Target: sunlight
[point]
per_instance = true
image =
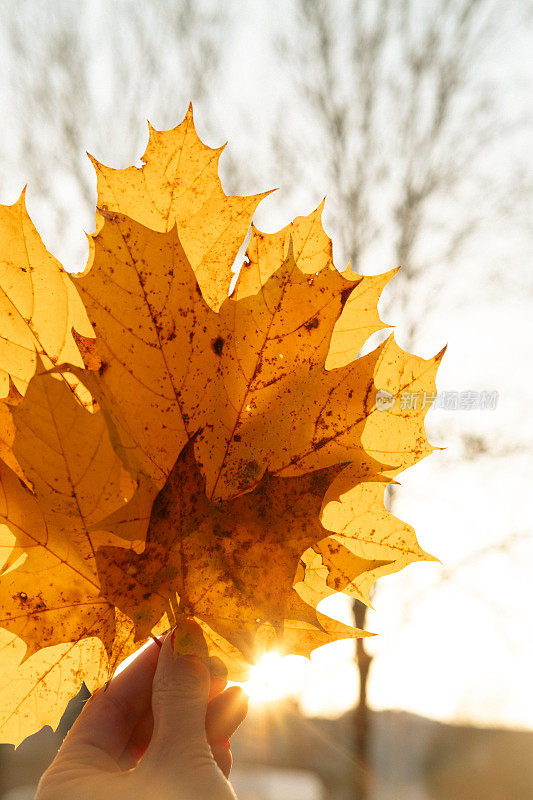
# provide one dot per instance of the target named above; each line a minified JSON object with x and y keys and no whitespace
{"x":127,"y":661}
{"x":275,"y":677}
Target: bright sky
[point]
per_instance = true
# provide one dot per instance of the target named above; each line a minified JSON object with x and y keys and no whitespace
{"x":450,"y":649}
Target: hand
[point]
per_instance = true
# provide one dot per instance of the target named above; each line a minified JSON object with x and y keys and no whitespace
{"x":151,"y":733}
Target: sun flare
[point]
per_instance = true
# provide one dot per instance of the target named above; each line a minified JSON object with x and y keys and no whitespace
{"x":275,"y":677}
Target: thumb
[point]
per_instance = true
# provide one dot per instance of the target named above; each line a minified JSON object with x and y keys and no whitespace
{"x":179,"y":760}
{"x":180,"y":692}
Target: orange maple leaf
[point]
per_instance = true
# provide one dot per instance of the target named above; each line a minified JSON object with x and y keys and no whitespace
{"x":193,"y":454}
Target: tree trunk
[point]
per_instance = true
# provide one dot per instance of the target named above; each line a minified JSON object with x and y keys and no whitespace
{"x":361,"y":730}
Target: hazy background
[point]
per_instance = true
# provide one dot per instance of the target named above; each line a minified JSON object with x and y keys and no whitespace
{"x":414,"y":119}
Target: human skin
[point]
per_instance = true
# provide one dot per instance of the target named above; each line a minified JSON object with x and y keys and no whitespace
{"x":160,"y":729}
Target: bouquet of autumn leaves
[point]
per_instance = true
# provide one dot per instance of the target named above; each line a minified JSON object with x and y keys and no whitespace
{"x":170,"y":449}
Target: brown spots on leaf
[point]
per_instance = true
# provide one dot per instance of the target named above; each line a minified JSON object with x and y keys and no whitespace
{"x":218,"y":345}
{"x":88,"y":350}
{"x":345,"y":294}
{"x":104,"y":211}
{"x":251,"y":468}
{"x":169,"y":335}
{"x":312,"y":324}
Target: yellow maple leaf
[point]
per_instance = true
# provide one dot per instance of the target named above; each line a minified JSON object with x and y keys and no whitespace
{"x":250,"y":385}
{"x":230,"y":564}
{"x":232,"y":460}
{"x":35,"y":693}
{"x":178,"y":185}
{"x":54,"y":595}
{"x":169,"y":365}
{"x":312,"y":251}
{"x":36,"y":688}
{"x":51,"y":604}
{"x":39,"y":306}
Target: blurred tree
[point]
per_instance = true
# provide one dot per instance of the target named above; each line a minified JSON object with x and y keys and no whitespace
{"x":83,"y":76}
{"x":407,"y":123}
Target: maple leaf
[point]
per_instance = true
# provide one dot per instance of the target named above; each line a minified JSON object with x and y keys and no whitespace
{"x":7,"y":431}
{"x":35,"y":691}
{"x":178,"y":185}
{"x":312,"y":251}
{"x":194,"y":454}
{"x":169,"y":365}
{"x":153,"y":343}
{"x":49,"y":587}
{"x":39,"y":305}
{"x":250,"y":384}
{"x":363,"y":531}
{"x":230,"y":564}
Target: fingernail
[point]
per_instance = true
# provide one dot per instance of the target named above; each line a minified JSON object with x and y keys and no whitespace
{"x":137,"y":752}
{"x":217,"y":668}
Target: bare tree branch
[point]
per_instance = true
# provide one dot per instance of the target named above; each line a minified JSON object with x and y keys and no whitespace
{"x":406,"y":120}
{"x":76,"y":80}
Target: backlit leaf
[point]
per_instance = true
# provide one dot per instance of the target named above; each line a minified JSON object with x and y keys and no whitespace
{"x":169,"y":452}
{"x":39,"y":305}
{"x":178,"y":185}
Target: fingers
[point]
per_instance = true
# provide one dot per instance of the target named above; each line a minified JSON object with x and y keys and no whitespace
{"x":225,"y":713}
{"x":218,"y":684}
{"x":223,"y":757}
{"x":105,"y":725}
{"x":161,"y":700}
